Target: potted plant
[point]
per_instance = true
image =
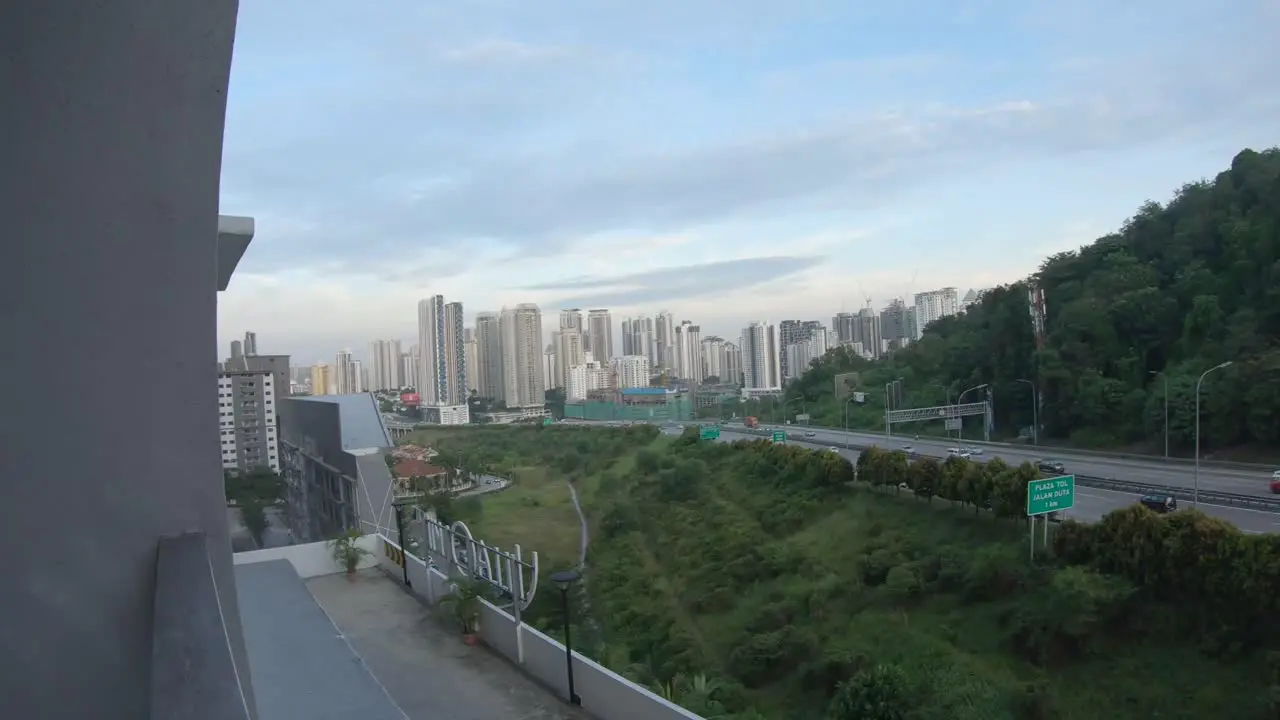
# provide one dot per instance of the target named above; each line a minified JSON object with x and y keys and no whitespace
{"x":347,"y":553}
{"x":464,"y":601}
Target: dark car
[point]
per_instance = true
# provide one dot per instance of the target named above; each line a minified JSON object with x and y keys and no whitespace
{"x":1050,"y":466}
{"x":1159,"y":503}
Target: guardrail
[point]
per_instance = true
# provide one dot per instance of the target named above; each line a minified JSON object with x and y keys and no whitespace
{"x":1208,"y":497}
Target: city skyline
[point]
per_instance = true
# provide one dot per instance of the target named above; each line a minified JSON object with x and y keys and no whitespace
{"x":518,"y":157}
{"x":728,"y":331}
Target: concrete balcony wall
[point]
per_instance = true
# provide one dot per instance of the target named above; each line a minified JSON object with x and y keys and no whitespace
{"x":314,"y":559}
{"x":604,"y":693}
{"x":110,"y":161}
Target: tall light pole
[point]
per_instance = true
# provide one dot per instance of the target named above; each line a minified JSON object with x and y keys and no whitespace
{"x":844,"y":415}
{"x":565,"y":580}
{"x":1195,"y":502}
{"x":960,"y":431}
{"x":1035,"y":414}
{"x":785,"y":404}
{"x":1166,"y":411}
{"x":887,"y":425}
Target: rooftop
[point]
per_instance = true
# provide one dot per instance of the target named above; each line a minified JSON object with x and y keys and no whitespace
{"x":362,"y":426}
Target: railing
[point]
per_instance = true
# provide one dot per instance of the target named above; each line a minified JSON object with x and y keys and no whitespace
{"x":1208,"y":497}
{"x":193,"y":672}
{"x":603,"y":693}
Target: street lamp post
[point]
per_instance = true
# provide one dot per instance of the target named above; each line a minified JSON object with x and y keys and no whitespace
{"x":1195,"y":502}
{"x":1035,"y":414}
{"x":887,"y":430}
{"x":960,"y":430}
{"x":844,"y":415}
{"x":564,"y":580}
{"x":1166,"y":412}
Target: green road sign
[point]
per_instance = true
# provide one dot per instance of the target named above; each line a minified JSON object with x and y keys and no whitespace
{"x":1051,"y":495}
{"x":779,"y":436}
{"x":709,"y":432}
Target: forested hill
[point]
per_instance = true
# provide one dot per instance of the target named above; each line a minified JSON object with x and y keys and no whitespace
{"x":1179,"y":289}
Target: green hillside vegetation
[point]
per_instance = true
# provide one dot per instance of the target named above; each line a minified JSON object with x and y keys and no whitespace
{"x":1180,"y":288}
{"x":753,"y":580}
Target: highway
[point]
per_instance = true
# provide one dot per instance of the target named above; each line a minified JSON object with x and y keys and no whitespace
{"x":1091,"y":504}
{"x":1152,"y":472}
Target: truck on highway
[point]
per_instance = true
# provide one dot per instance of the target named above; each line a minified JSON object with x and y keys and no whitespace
{"x":751,"y":422}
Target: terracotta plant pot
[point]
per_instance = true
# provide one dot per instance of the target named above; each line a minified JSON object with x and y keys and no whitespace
{"x":470,"y":639}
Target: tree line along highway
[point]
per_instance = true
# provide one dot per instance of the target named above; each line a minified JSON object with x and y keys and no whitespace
{"x":1090,"y":504}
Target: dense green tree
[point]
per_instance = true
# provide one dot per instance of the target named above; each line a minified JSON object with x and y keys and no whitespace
{"x":1178,"y":289}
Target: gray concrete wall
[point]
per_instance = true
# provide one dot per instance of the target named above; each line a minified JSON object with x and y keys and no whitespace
{"x":112,"y":118}
{"x":604,"y":693}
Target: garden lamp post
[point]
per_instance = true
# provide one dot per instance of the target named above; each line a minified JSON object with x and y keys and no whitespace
{"x":1035,"y":414}
{"x":1166,"y":412}
{"x":1195,"y":502}
{"x":564,"y":580}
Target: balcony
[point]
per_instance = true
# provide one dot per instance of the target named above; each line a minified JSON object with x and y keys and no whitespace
{"x":323,"y":645}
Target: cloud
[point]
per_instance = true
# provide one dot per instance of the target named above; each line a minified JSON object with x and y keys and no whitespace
{"x":668,"y":284}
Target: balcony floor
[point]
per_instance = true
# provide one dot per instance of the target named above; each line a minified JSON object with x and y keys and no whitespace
{"x":425,"y":667}
{"x":330,"y":647}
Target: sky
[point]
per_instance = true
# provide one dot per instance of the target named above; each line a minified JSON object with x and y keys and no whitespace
{"x":728,"y":161}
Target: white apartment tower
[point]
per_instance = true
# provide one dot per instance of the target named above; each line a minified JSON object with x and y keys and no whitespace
{"x":760,"y":357}
{"x":934,"y":305}
{"x":247,"y":420}
{"x":442,"y":370}
{"x":689,"y":352}
{"x":632,"y":371}
{"x":522,"y":370}
{"x":471,"y":360}
{"x":385,"y":365}
{"x":570,"y":353}
{"x":599,"y":337}
{"x":342,"y":374}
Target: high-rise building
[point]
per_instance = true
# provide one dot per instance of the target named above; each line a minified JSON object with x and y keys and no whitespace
{"x":277,"y":365}
{"x":800,"y":355}
{"x":471,"y":356}
{"x":522,"y":368}
{"x":247,"y":402}
{"x":570,"y":353}
{"x":355,"y":377}
{"x":632,"y":371}
{"x":934,"y":305}
{"x":488,"y":369}
{"x":689,"y":352}
{"x":442,"y":370}
{"x":599,"y":338}
{"x":385,"y":365}
{"x":732,"y":362}
{"x":792,"y":332}
{"x":550,"y":370}
{"x":713,"y":358}
{"x":342,"y":373}
{"x":322,"y":380}
{"x":628,"y":338}
{"x":237,"y":350}
{"x":843,"y":325}
{"x":571,"y":319}
{"x":664,"y":336}
{"x":251,"y":343}
{"x":760,"y":357}
{"x":894,"y":328}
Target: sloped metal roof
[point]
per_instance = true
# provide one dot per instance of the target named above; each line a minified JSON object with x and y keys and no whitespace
{"x":362,"y":426}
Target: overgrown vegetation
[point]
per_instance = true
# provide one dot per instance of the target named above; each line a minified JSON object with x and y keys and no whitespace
{"x":1180,"y":288}
{"x":756,"y":580}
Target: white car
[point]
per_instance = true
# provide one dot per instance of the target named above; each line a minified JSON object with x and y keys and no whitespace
{"x":973,"y":450}
{"x":834,"y":450}
{"x":959,"y":452}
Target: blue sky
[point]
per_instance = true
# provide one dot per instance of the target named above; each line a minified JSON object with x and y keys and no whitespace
{"x":727,"y":161}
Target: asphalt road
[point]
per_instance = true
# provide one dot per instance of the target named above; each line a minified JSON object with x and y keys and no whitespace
{"x":1091,"y":504}
{"x":1152,"y":472}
